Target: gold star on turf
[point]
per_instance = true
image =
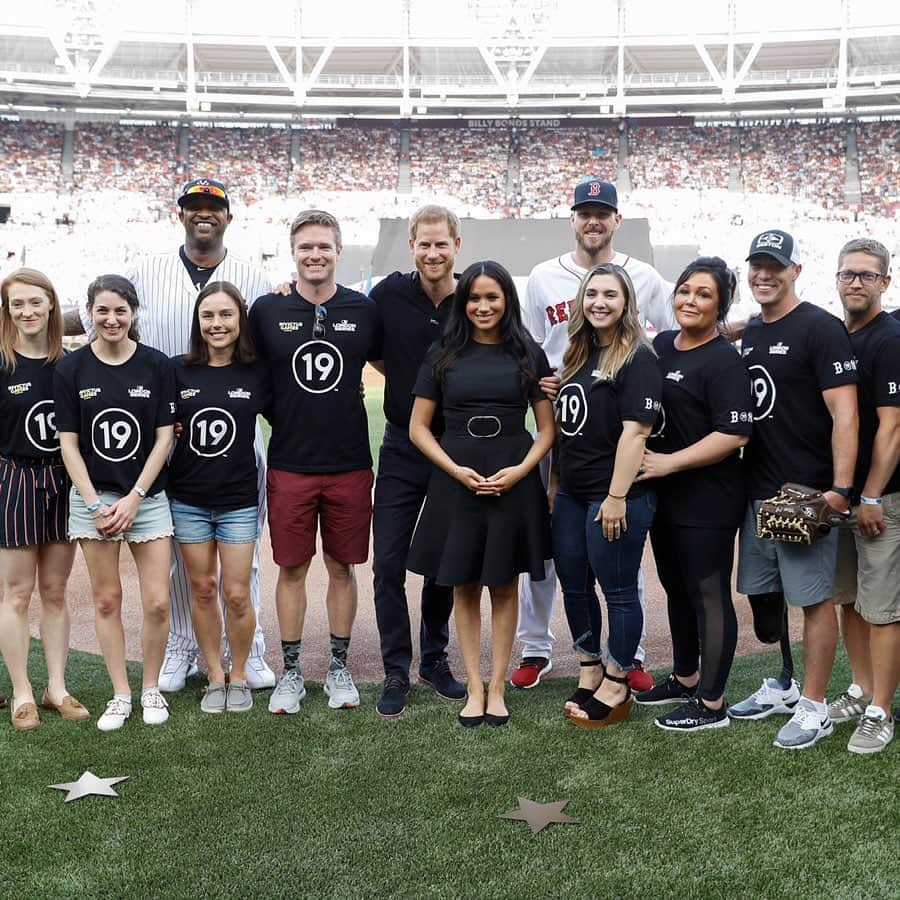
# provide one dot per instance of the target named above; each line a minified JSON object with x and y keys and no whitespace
{"x":89,"y":784}
{"x":539,"y":815}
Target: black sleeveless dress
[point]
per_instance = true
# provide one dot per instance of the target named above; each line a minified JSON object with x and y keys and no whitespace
{"x":462,"y":538}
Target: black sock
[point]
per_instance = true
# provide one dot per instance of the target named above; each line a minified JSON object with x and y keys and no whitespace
{"x":290,"y":650}
{"x":339,"y":647}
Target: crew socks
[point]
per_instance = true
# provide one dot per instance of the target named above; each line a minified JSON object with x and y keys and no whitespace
{"x":339,"y":647}
{"x":290,"y":651}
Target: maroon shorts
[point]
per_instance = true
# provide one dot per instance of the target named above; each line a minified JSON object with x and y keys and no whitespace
{"x":341,"y":501}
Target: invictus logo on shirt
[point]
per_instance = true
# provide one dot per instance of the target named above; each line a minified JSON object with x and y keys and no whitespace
{"x":344,"y":325}
{"x":17,"y":389}
{"x":88,"y":393}
{"x":187,"y":393}
{"x":779,"y":349}
{"x":139,"y":391}
{"x":239,"y":394}
{"x":675,"y":376}
{"x":288,"y":327}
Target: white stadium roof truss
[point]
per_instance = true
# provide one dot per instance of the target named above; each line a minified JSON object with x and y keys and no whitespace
{"x":287,"y":59}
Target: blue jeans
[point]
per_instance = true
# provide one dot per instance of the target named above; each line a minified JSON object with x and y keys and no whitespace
{"x":583,"y":555}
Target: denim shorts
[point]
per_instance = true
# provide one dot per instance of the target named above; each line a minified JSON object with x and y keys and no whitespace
{"x":152,"y":522}
{"x":197,"y":525}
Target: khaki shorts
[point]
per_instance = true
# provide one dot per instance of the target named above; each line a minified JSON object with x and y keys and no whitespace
{"x":868,"y":569}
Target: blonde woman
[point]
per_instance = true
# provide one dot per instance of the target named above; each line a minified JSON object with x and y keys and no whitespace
{"x":608,"y":402}
{"x":33,"y":495}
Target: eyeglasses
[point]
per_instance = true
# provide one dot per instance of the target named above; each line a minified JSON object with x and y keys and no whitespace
{"x":848,"y":276}
{"x":319,"y":323}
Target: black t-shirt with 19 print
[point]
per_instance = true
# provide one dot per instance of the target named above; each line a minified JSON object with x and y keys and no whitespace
{"x":877,"y":350}
{"x":214,"y":463}
{"x":591,"y":412}
{"x":115,"y":410}
{"x":27,"y":418}
{"x":704,"y":390}
{"x":318,"y":417}
{"x":791,"y":362}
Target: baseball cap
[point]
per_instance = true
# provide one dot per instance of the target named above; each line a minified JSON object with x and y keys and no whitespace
{"x":777,"y":244}
{"x":207,"y":187}
{"x":595,"y":191}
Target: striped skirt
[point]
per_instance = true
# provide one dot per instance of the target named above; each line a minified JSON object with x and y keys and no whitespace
{"x":34,"y":502}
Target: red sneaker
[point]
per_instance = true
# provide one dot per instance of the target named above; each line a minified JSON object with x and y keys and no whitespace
{"x":528,"y":675}
{"x":638,"y":679}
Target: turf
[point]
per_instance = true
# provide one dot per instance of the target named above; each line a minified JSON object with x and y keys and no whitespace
{"x":342,"y":804}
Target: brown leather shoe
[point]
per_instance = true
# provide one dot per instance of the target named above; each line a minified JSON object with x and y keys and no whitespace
{"x":70,"y":708}
{"x":25,"y":717}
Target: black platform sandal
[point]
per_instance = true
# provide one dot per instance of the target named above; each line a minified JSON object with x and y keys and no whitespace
{"x":599,"y":714}
{"x":581,"y":695}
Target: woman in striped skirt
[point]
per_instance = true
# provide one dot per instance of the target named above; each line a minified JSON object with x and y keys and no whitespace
{"x":34,"y":493}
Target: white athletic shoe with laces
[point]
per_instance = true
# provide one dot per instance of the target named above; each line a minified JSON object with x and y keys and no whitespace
{"x":113,"y":718}
{"x":771,"y":699}
{"x":806,"y":727}
{"x":156,"y":710}
{"x":341,"y":691}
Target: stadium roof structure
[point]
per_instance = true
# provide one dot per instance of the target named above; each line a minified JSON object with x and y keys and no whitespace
{"x":294,"y":59}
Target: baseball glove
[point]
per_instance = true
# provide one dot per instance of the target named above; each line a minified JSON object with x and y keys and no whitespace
{"x":797,"y":515}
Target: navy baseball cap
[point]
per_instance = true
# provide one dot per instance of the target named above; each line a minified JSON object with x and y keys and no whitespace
{"x":595,"y":191}
{"x":204,"y":187}
{"x":777,"y":244}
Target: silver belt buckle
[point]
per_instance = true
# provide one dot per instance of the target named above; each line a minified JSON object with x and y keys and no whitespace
{"x":487,"y":418}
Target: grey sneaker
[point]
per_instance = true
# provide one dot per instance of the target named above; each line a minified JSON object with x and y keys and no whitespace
{"x":845,"y":707}
{"x":341,"y":690}
{"x":769,"y":700}
{"x":288,"y":693}
{"x":213,"y":700}
{"x":805,"y":728}
{"x":873,"y":733}
{"x":239,"y":697}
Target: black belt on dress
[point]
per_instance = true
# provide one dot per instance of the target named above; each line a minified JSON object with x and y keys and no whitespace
{"x":484,"y":426}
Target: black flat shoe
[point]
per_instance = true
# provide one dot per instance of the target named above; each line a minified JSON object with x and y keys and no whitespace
{"x":470,"y":721}
{"x":496,"y":721}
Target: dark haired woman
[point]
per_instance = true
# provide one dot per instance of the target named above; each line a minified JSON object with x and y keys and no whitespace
{"x":212,"y":483}
{"x":485,"y":518}
{"x":115,"y":406}
{"x":33,"y":495}
{"x":607,"y":404}
{"x":693,"y":461}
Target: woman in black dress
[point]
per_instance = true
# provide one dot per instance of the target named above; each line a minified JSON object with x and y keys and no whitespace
{"x":485,"y":518}
{"x":694,"y":466}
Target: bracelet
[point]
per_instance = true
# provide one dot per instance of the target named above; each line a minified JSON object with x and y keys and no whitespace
{"x":94,"y":506}
{"x":617,"y":498}
{"x":870,"y":501}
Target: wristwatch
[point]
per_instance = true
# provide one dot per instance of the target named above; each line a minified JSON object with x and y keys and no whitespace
{"x":139,"y":491}
{"x":843,"y":491}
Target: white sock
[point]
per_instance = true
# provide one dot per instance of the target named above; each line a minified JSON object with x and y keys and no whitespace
{"x":820,"y":708}
{"x":147,"y":690}
{"x":875,"y":712}
{"x":125,"y":698}
{"x":855,"y":691}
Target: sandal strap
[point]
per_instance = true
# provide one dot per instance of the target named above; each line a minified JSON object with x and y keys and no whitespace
{"x":616,"y":678}
{"x":585,"y":663}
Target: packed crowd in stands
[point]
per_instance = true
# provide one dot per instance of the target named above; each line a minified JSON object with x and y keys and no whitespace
{"x":552,"y":159}
{"x":30,"y":156}
{"x":879,"y":166}
{"x":471,"y":166}
{"x":346,"y":160}
{"x":801,"y":160}
{"x":259,"y":159}
{"x":666,"y":156}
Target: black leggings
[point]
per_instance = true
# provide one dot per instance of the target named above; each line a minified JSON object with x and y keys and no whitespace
{"x":694,"y":566}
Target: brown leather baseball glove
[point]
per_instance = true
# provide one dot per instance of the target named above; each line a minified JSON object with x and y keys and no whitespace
{"x":797,"y":514}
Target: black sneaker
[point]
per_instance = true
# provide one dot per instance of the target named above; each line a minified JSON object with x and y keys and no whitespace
{"x":669,"y":691}
{"x":392,"y":701}
{"x":441,"y":679}
{"x":694,"y":715}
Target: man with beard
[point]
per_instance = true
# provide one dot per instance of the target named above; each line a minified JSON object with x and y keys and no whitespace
{"x":413,"y":307}
{"x":550,"y":291}
{"x":167,"y":285}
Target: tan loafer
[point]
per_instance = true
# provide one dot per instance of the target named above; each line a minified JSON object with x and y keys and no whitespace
{"x":25,"y":717}
{"x":69,"y":709}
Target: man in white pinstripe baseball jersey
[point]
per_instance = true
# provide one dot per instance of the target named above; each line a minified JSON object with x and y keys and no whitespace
{"x":167,"y":285}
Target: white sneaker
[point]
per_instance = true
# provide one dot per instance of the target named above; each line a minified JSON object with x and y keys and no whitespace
{"x":771,"y":699}
{"x":156,"y":710}
{"x":259,"y":676}
{"x":113,"y":718}
{"x":341,"y":691}
{"x":175,"y":670}
{"x":288,"y":694}
{"x":806,"y":727}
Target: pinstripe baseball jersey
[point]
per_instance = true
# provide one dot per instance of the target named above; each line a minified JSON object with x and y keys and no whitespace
{"x":167,"y":296}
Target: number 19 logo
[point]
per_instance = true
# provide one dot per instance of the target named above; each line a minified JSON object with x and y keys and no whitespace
{"x":212,"y":431}
{"x":40,"y":427}
{"x":115,"y":434}
{"x":318,"y":366}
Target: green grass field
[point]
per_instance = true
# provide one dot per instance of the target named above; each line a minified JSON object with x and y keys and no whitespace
{"x":342,"y":804}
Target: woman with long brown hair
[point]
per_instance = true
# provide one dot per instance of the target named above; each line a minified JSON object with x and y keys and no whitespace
{"x":33,"y":495}
{"x":608,"y":402}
